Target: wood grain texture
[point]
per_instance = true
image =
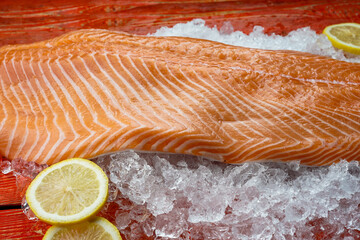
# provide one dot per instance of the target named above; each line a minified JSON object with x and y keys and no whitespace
{"x":26,"y":21}
{"x":8,"y":192}
{"x":15,"y":225}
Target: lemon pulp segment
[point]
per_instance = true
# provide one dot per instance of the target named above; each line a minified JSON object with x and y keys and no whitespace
{"x":68,"y":192}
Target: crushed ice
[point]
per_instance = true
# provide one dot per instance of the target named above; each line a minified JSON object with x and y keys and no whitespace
{"x":186,"y":197}
{"x":167,"y":196}
{"x":303,"y":39}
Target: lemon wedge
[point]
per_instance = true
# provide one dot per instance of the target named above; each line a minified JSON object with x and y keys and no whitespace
{"x":344,"y":36}
{"x":68,"y":192}
{"x":98,"y":229}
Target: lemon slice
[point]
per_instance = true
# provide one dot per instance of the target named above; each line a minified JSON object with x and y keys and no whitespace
{"x":344,"y":36}
{"x":68,"y":192}
{"x":98,"y":229}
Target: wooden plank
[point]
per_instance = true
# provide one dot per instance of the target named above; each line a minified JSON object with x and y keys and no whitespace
{"x":15,"y":225}
{"x":8,"y":192}
{"x":25,"y":21}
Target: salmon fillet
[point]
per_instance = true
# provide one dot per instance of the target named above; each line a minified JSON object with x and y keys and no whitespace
{"x":92,"y":92}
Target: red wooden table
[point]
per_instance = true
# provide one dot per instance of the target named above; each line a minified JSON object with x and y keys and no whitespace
{"x":26,"y":21}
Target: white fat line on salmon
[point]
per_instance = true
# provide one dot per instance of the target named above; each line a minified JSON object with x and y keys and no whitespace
{"x":245,"y":152}
{"x":171,"y":116}
{"x":84,"y":99}
{"x":120,"y":91}
{"x":175,"y":136}
{"x":228,"y":110}
{"x":297,"y":153}
{"x":339,"y":111}
{"x":55,"y":119}
{"x":245,"y":103}
{"x":260,"y":150}
{"x":291,"y":109}
{"x":280,"y":110}
{"x":210,"y":116}
{"x":141,"y":144}
{"x":25,"y":136}
{"x":138,"y":136}
{"x":203,"y":97}
{"x":45,"y":144}
{"x":159,"y":93}
{"x":169,"y":91}
{"x":11,"y":137}
{"x":170,"y":135}
{"x":105,"y":90}
{"x":335,"y":151}
{"x":348,"y":96}
{"x":111,"y":81}
{"x":132,"y":90}
{"x":14,"y":69}
{"x":129,"y":131}
{"x":351,"y":155}
{"x":201,"y":143}
{"x":322,"y":81}
{"x":236,"y":147}
{"x":32,"y":105}
{"x":342,"y":123}
{"x":217,"y":97}
{"x":188,"y":139}
{"x":66,"y":112}
{"x":294,"y":107}
{"x":235,"y":102}
{"x":44,"y":120}
{"x":196,"y":102}
{"x":226,"y":96}
{"x":143,"y":90}
{"x":326,"y":123}
{"x":355,"y":96}
{"x":311,"y":80}
{"x":286,"y":149}
{"x":3,"y":113}
{"x":93,"y":94}
{"x":104,"y":142}
{"x":253,"y":101}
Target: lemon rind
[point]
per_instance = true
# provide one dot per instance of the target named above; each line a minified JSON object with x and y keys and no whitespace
{"x":348,"y":47}
{"x":108,"y":226}
{"x":84,"y":215}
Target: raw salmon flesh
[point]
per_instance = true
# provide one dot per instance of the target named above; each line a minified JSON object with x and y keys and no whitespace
{"x":92,"y":92}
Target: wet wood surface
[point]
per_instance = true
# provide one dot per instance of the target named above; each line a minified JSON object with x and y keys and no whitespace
{"x":26,"y":21}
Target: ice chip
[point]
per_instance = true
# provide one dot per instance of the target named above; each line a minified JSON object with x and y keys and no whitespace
{"x":226,"y":28}
{"x":113,"y":192}
{"x":27,"y":211}
{"x":209,"y":209}
{"x":161,"y":201}
{"x":170,"y":225}
{"x":5,"y":167}
{"x":123,"y":219}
